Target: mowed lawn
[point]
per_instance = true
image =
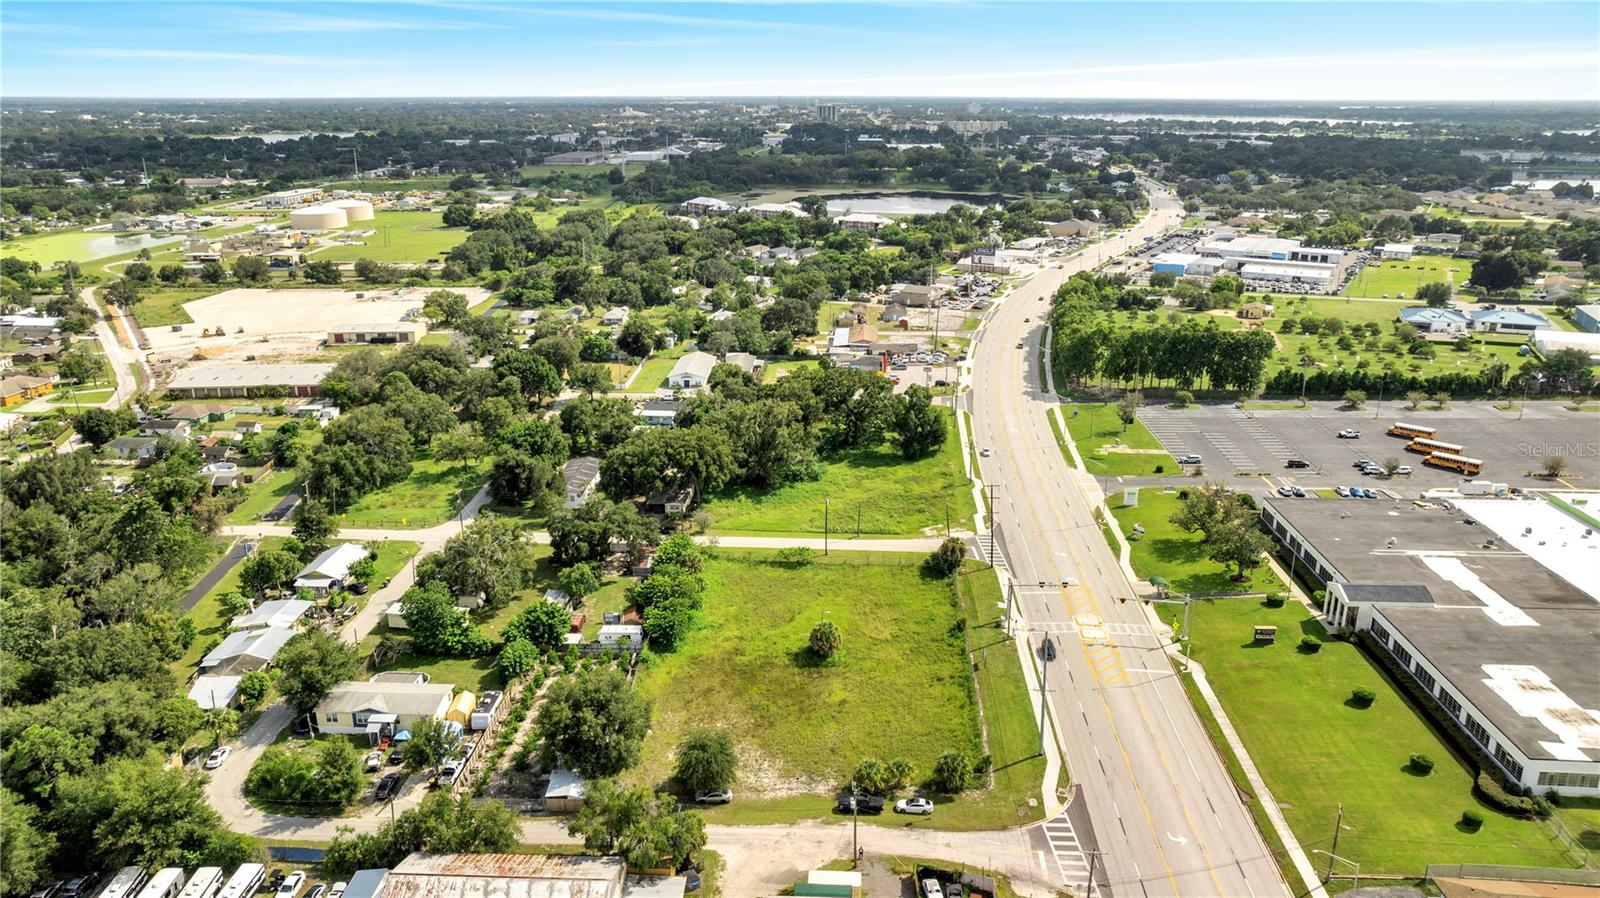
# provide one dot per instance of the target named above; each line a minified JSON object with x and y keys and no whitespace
{"x":398,"y":237}
{"x":433,"y":493}
{"x":1315,"y":751}
{"x":1166,"y":551}
{"x":1100,"y":436}
{"x":1395,"y":277}
{"x":875,"y":492}
{"x":898,"y":687}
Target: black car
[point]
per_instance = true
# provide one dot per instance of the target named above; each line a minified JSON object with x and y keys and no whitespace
{"x":386,"y":786}
{"x":48,"y":890}
{"x":862,"y":804}
{"x":82,"y":886}
{"x":397,"y":755}
{"x":358,"y":588}
{"x":1297,"y":463}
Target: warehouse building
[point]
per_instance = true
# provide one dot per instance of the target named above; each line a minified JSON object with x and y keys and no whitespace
{"x":1307,"y":274}
{"x":1269,"y":249}
{"x":402,"y":332}
{"x":1587,"y":318}
{"x":1491,"y":606}
{"x":288,"y":199}
{"x":215,"y":380}
{"x":1173,"y":263}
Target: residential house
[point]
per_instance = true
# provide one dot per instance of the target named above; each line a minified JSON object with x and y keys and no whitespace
{"x":895,"y":313}
{"x":705,"y":205}
{"x":247,"y":428}
{"x":1254,"y":311}
{"x":171,"y":428}
{"x":864,"y":222}
{"x":275,"y":613}
{"x":874,"y":363}
{"x":21,"y":387}
{"x":1587,"y":318}
{"x":917,"y":296}
{"x":245,"y":650}
{"x":32,"y":355}
{"x":214,"y":691}
{"x":691,"y":371}
{"x":582,"y":475}
{"x":330,"y":569}
{"x":670,"y":502}
{"x":195,"y":412}
{"x":658,"y":412}
{"x":615,"y":317}
{"x":564,"y":795}
{"x":133,"y":448}
{"x":621,"y":634}
{"x":747,"y":363}
{"x":857,"y":338}
{"x":381,"y":709}
{"x":1396,"y":251}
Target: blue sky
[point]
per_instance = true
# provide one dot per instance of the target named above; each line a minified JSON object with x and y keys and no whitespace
{"x":1286,"y":50}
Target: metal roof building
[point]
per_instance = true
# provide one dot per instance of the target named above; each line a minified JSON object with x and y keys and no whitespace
{"x":222,"y":379}
{"x":424,"y":875}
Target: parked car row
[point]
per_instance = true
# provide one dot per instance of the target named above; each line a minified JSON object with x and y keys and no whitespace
{"x":920,"y":357}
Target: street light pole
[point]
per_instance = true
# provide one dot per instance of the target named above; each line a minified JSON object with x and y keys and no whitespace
{"x":1044,"y":689}
{"x":824,"y":524}
{"x":1332,"y":852}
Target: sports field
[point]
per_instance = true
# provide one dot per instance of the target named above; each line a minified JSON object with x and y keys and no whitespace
{"x":1390,"y":279}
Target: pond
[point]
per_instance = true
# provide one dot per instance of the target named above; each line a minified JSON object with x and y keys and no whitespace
{"x":116,"y":245}
{"x":281,"y":136}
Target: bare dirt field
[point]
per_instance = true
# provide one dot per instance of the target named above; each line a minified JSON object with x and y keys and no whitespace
{"x":282,"y":323}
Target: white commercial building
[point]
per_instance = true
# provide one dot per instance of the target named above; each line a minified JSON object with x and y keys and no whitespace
{"x":285,"y":199}
{"x":1497,"y":622}
{"x":1271,"y":249}
{"x":1551,"y":340}
{"x":1306,"y":273}
{"x":1400,"y":251}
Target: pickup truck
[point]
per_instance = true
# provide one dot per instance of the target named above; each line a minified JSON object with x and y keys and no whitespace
{"x":864,"y":804}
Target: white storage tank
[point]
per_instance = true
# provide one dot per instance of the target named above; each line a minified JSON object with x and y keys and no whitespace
{"x":354,"y":210}
{"x":315,"y":218}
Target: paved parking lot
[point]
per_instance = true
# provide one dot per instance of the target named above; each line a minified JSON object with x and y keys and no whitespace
{"x":1232,"y":441}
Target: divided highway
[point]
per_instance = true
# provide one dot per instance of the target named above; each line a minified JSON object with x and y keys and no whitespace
{"x":1166,"y":817}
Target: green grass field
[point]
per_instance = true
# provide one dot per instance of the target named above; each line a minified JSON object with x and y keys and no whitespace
{"x":399,"y":237}
{"x":1315,"y":751}
{"x":1095,"y":428}
{"x":899,"y":686}
{"x":265,"y":494}
{"x":873,"y":491}
{"x":162,"y":306}
{"x":1395,"y":277}
{"x":431,"y":495}
{"x":1166,"y":551}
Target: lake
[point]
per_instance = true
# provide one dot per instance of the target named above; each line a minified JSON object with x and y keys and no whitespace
{"x":113,"y":245}
{"x":281,"y":136}
{"x":911,"y":203}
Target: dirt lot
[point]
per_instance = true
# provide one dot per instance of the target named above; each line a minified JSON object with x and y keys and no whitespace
{"x":282,"y":323}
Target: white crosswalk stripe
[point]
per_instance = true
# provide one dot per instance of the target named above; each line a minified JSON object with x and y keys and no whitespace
{"x":1071,"y":862}
{"x":988,"y":551}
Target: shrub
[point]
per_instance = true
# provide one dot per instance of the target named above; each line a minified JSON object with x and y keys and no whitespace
{"x":1501,"y":799}
{"x":1161,"y":469}
{"x":952,"y":773}
{"x":825,"y":639}
{"x":1310,"y":644}
{"x":1363,"y":697}
{"x":516,"y":659}
{"x":797,"y":556}
{"x":1471,"y":820}
{"x":1274,"y":600}
{"x":1422,"y":765}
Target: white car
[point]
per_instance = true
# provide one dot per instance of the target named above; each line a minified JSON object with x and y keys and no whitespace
{"x":914,"y":806}
{"x":373,"y":761}
{"x":215,"y":759}
{"x":985,"y":452}
{"x":338,"y":889}
{"x":291,"y":884}
{"x":713,"y":796}
{"x":1348,"y":434}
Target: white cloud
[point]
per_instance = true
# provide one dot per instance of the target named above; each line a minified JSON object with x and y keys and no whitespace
{"x":261,"y":21}
{"x":204,"y":56}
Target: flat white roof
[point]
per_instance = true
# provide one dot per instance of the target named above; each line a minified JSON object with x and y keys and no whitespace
{"x":1557,"y":539}
{"x":227,"y":374}
{"x":1185,"y":259}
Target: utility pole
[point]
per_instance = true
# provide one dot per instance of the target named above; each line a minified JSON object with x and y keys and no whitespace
{"x":1011,"y":591}
{"x":824,"y":525}
{"x":1338,"y":825}
{"x":1044,"y":687}
{"x":1094,"y":858}
{"x":855,"y":825}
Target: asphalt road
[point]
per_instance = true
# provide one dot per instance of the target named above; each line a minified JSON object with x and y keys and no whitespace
{"x":1166,"y":818}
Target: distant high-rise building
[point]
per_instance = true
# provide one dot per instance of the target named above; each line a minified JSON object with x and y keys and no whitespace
{"x":827,"y":112}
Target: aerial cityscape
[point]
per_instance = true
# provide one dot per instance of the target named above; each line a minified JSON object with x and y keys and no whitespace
{"x":651,"y":449}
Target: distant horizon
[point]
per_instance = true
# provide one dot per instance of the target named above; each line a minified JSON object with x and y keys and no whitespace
{"x":1348,"y":104}
{"x":1311,"y":52}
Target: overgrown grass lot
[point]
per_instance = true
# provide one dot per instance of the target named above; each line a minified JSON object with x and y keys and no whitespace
{"x":875,"y":492}
{"x":900,"y":685}
{"x":1315,"y":749}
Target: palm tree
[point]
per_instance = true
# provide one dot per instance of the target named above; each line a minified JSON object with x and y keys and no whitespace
{"x":223,"y":724}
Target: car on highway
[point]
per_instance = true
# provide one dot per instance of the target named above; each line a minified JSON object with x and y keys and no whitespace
{"x":921,"y":806}
{"x":713,"y":796}
{"x":1349,"y":434}
{"x":986,"y":452}
{"x":386,"y":786}
{"x":1019,"y":344}
{"x":215,"y":759}
{"x":1190,"y":459}
{"x":291,"y":885}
